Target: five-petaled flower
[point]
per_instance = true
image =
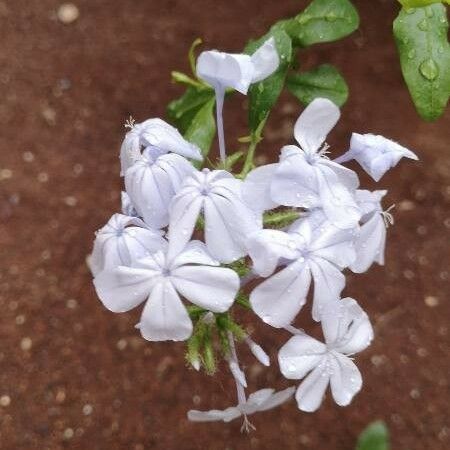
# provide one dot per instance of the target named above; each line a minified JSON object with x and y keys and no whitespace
{"x":160,"y":280}
{"x":347,"y":331}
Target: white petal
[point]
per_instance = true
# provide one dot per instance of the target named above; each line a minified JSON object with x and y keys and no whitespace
{"x":377,"y":154}
{"x":195,"y":252}
{"x":123,"y":288}
{"x":228,"y":221}
{"x":368,"y":202}
{"x":334,"y":244}
{"x":256,"y":399}
{"x":256,"y":188}
{"x":370,"y":244}
{"x":345,"y":380}
{"x":300,"y":355}
{"x":277,"y":399}
{"x":123,"y":240}
{"x":314,"y":124}
{"x":212,"y":288}
{"x":214,"y":415}
{"x":280,"y":298}
{"x":265,"y":60}
{"x":295,"y":180}
{"x":266,"y":247}
{"x":222,"y":70}
{"x":328,"y":284}
{"x":127,"y":206}
{"x":184,"y":211}
{"x":130,"y":149}
{"x":355,"y":330}
{"x":311,"y":391}
{"x":165,"y":137}
{"x":346,"y":326}
{"x":346,"y":177}
{"x":164,"y":317}
{"x":258,"y":352}
{"x":337,"y":201}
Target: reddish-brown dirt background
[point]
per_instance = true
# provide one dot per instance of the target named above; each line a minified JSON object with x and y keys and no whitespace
{"x":80,"y":377}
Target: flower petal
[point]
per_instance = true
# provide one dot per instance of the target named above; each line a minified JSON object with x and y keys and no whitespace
{"x":212,"y":288}
{"x":279,"y":299}
{"x":195,"y":252}
{"x":222,"y":70}
{"x":277,"y":399}
{"x":265,"y":60}
{"x":345,"y":380}
{"x":311,"y":391}
{"x":266,"y":247}
{"x":328,"y":284}
{"x":346,"y":177}
{"x":256,"y":188}
{"x":370,"y":244}
{"x":300,"y":355}
{"x":164,"y":317}
{"x":314,"y":124}
{"x":214,"y":415}
{"x":336,"y":200}
{"x":124,"y":288}
{"x":295,"y":180}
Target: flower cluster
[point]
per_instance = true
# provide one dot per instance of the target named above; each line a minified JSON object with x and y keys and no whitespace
{"x":198,"y":234}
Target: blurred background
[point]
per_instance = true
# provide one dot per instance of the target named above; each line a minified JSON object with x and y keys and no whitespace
{"x":73,"y":375}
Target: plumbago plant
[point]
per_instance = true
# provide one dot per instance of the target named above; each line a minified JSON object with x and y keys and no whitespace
{"x":199,"y":242}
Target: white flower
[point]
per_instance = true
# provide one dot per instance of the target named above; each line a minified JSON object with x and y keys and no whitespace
{"x":313,"y":248}
{"x":123,"y":240}
{"x":261,"y":400}
{"x":371,"y":241}
{"x":153,"y":180}
{"x":238,"y":71}
{"x":154,"y":133}
{"x":228,"y":220}
{"x":161,"y":280}
{"x":304,"y":177}
{"x":127,"y":206}
{"x":347,"y":331}
{"x":375,"y":153}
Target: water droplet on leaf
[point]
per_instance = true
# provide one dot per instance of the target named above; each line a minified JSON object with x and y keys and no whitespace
{"x":429,"y":69}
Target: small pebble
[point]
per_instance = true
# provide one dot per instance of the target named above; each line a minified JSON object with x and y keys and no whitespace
{"x":5,"y":174}
{"x":68,"y":13}
{"x":5,"y":400}
{"x":122,"y":344}
{"x":406,"y":205}
{"x":26,"y":343}
{"x":68,"y":434}
{"x":70,"y":200}
{"x":71,"y":303}
{"x":28,"y":157}
{"x":87,"y":409}
{"x":415,"y":394}
{"x":20,"y":319}
{"x":431,"y":301}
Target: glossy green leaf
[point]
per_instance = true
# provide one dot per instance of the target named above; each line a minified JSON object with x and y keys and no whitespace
{"x":202,"y":129}
{"x":182,"y":110}
{"x":421,"y":36}
{"x":419,"y":3}
{"x":323,"y":81}
{"x":322,"y":21}
{"x":263,"y":95}
{"x":374,"y":437}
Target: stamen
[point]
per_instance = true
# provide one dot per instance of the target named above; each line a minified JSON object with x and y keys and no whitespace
{"x":388,"y":217}
{"x":129,"y":123}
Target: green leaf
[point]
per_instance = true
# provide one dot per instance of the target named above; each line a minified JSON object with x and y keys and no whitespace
{"x":191,"y":55}
{"x":374,"y":437}
{"x":323,"y":81}
{"x":421,"y":36}
{"x":182,"y":110}
{"x":419,"y":3}
{"x":202,"y":129}
{"x":322,"y":21}
{"x":263,"y":95}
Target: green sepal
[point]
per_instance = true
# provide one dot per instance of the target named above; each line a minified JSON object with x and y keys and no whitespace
{"x":374,"y":437}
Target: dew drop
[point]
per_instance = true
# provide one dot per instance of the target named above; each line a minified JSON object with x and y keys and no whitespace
{"x":429,"y":69}
{"x":411,"y":53}
{"x":429,"y":12}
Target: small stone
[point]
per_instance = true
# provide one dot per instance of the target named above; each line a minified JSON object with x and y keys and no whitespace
{"x":68,"y":13}
{"x":49,"y":115}
{"x":20,"y":319}
{"x":5,"y":174}
{"x":26,"y":343}
{"x":68,"y":434}
{"x":431,"y":301}
{"x":70,"y":200}
{"x":5,"y":400}
{"x":406,"y":205}
{"x":415,"y":393}
{"x":60,"y":396}
{"x":196,"y":400}
{"x":71,"y":303}
{"x":87,"y":409}
{"x":422,"y":352}
{"x":42,"y":177}
{"x":378,"y":360}
{"x":28,"y":156}
{"x":122,"y":344}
